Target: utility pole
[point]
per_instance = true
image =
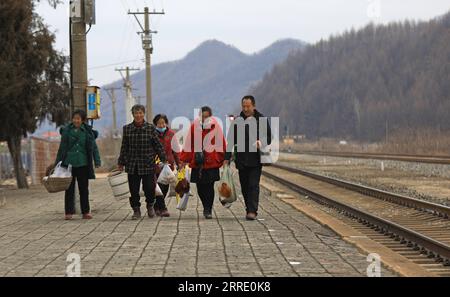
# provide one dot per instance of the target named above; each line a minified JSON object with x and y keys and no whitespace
{"x":112,"y":95}
{"x":78,"y":55}
{"x":115,"y":133}
{"x":147,"y":45}
{"x":129,"y":101}
{"x":82,"y":12}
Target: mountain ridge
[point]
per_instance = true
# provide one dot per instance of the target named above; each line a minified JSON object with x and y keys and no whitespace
{"x":214,"y":73}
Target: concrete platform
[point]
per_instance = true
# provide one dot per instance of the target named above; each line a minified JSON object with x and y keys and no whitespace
{"x":36,"y":241}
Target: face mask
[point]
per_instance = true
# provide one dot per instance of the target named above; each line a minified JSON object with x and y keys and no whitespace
{"x":162,"y":130}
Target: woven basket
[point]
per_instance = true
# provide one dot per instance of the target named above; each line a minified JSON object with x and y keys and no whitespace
{"x":56,"y":184}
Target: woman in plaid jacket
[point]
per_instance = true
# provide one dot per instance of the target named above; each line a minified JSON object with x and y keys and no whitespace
{"x":140,"y":145}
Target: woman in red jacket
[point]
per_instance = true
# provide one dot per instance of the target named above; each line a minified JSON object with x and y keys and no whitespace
{"x":170,"y":144}
{"x":204,"y":150}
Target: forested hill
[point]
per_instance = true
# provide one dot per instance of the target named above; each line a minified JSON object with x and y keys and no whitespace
{"x":354,"y":84}
{"x":214,"y":74}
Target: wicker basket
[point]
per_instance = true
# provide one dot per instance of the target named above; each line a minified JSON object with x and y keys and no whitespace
{"x":56,"y":184}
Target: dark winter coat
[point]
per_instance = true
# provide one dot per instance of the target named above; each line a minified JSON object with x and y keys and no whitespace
{"x":68,"y":143}
{"x":246,"y":158}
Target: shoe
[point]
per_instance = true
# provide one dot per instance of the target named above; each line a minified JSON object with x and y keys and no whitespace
{"x":251,"y":216}
{"x":68,"y":217}
{"x":136,"y":213}
{"x":157,"y":212}
{"x":165,"y":213}
{"x":151,"y":211}
{"x":87,"y":216}
{"x":207,"y":215}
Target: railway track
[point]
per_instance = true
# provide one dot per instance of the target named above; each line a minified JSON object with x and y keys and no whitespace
{"x":418,"y":229}
{"x":443,"y":160}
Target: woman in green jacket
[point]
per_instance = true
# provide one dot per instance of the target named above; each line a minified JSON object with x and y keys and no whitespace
{"x":79,"y":149}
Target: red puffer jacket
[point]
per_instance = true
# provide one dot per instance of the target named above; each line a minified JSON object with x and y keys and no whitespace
{"x":214,"y":149}
{"x":172,"y":154}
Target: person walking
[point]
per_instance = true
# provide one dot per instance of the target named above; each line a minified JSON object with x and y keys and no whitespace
{"x":204,"y":150}
{"x":140,"y":146}
{"x":78,"y":149}
{"x":247,"y":156}
{"x":171,"y":148}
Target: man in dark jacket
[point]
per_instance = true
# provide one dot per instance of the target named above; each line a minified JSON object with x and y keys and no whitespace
{"x":140,"y":145}
{"x":246,"y":137}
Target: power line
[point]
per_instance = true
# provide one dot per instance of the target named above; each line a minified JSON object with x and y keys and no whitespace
{"x":115,"y":64}
{"x":124,"y":34}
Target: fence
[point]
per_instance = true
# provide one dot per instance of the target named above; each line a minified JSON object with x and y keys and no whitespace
{"x":7,"y":166}
{"x":43,"y":153}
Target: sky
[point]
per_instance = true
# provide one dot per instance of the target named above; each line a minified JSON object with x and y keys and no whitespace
{"x":249,"y":25}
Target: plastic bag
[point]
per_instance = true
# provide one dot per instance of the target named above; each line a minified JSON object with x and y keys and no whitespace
{"x":182,"y":205}
{"x":171,"y":192}
{"x":226,"y":188}
{"x":62,"y":171}
{"x":166,"y":177}
{"x":158,"y":192}
{"x":182,"y":200}
{"x":268,"y":156}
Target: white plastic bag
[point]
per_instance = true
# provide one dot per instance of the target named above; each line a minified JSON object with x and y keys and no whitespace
{"x":62,"y":171}
{"x":226,"y":182}
{"x":158,"y":191}
{"x":167,"y":176}
{"x":171,"y":192}
{"x":268,"y":157}
{"x":182,"y":205}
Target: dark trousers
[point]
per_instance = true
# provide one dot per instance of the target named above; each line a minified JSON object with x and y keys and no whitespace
{"x":148,"y":184}
{"x":249,"y":178}
{"x":206,"y":193}
{"x":80,"y":174}
{"x":160,"y":200}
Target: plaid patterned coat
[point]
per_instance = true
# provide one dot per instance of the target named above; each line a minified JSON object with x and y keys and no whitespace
{"x":140,"y":145}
